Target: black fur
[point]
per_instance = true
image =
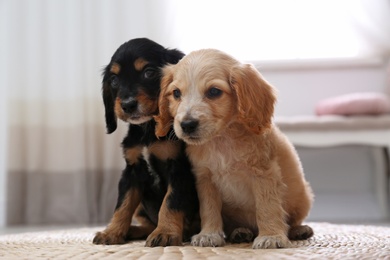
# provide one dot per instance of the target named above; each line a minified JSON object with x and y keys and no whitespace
{"x":149,"y":176}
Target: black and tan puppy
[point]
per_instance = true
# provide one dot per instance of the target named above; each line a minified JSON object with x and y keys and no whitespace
{"x":157,"y":186}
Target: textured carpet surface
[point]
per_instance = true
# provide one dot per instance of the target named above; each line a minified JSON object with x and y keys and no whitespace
{"x":329,"y":242}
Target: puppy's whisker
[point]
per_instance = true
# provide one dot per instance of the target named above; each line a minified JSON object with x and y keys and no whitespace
{"x":172,"y":136}
{"x":170,"y":133}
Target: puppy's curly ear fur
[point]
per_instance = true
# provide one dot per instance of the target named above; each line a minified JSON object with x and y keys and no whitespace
{"x":164,"y":118}
{"x":255,"y":97}
{"x":109,"y":102}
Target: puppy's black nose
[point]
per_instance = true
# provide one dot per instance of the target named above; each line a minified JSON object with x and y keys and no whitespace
{"x":189,"y":126}
{"x":129,"y":106}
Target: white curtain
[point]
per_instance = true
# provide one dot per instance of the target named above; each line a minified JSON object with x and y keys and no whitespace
{"x":57,"y":163}
{"x":61,"y":166}
{"x":3,"y":121}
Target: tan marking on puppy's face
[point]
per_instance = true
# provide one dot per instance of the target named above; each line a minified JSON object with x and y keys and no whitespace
{"x":147,"y":105}
{"x":200,"y":91}
{"x":146,"y":108}
{"x":140,"y":63}
{"x":118,"y":110}
{"x":115,"y":68}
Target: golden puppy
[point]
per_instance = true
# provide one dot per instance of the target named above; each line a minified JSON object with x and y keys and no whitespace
{"x":249,"y":176}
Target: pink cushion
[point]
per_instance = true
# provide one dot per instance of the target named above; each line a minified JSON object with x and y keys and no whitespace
{"x":355,"y":104}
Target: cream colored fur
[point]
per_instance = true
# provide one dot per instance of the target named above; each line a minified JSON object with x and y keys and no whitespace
{"x":248,"y":173}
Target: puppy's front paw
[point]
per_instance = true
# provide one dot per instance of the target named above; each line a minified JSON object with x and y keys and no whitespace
{"x":108,"y":238}
{"x":268,"y":242}
{"x":161,"y":238}
{"x":208,"y":239}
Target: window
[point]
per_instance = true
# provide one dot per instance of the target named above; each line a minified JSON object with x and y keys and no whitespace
{"x":283,"y":29}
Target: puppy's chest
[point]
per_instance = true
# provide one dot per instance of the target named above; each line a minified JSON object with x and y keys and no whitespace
{"x":223,"y":158}
{"x":230,"y":173}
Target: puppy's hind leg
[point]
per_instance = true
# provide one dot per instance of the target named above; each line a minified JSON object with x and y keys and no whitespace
{"x":297,"y":212}
{"x":300,"y":232}
{"x":144,"y":225}
{"x":297,"y":231}
{"x":241,"y":235}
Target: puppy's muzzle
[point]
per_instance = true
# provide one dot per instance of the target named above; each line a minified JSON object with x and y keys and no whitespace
{"x":189,"y":126}
{"x":129,"y":106}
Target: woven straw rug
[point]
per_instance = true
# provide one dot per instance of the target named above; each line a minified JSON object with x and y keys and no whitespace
{"x":329,"y":242}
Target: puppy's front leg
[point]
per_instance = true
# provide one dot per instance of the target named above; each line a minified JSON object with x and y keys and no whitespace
{"x":210,"y":207}
{"x":120,"y":224}
{"x":169,"y":230}
{"x":269,"y":190}
{"x":130,"y":192}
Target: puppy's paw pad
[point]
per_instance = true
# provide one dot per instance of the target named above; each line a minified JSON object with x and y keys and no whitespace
{"x":209,"y":239}
{"x":300,"y":233}
{"x":103,"y":238}
{"x":268,"y":242}
{"x":163,"y":239}
{"x":241,"y":235}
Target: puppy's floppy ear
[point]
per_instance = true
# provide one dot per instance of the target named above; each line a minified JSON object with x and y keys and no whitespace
{"x":109,"y":102}
{"x":173,"y":56}
{"x":255,"y":97}
{"x":164,"y":118}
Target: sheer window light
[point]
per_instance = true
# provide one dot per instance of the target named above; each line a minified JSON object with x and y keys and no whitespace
{"x":281,"y":29}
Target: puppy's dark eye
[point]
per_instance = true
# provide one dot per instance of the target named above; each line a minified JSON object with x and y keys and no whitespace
{"x":176,"y":94}
{"x":114,"y":82}
{"x":150,"y":73}
{"x":213,"y":93}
